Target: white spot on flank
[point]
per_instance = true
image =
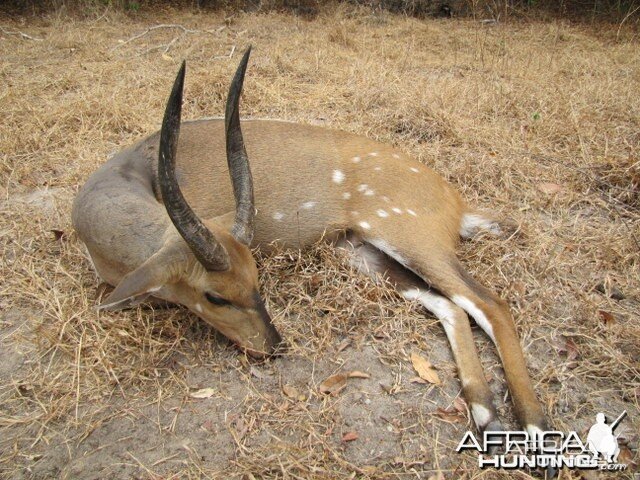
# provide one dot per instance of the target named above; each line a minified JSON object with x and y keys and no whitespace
{"x":472,"y":223}
{"x":365,"y":225}
{"x":477,"y":314}
{"x":386,"y":199}
{"x":309,"y":205}
{"x":397,"y":210}
{"x":338,"y":176}
{"x":395,"y":155}
{"x":411,"y":212}
{"x":355,"y":214}
{"x":356,"y":159}
{"x":414,"y":169}
{"x":382,"y":213}
{"x":362,"y":187}
{"x":481,"y":414}
{"x":369,"y":192}
{"x":377,"y":169}
{"x":154,"y":289}
{"x":346,"y":195}
{"x":374,"y":154}
{"x":198,"y":308}
{"x":278,"y":216}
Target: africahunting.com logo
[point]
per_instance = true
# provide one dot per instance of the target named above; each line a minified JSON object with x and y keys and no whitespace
{"x":551,"y":449}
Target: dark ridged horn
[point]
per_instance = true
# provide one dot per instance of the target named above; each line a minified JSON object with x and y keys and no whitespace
{"x":238,"y":161}
{"x":203,"y":244}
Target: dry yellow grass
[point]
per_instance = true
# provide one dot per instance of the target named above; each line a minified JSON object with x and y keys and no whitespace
{"x":540,"y":121}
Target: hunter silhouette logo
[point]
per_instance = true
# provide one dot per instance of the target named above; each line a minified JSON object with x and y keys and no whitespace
{"x":549,"y":449}
{"x":601,"y":440}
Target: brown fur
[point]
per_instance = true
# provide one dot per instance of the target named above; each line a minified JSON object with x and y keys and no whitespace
{"x":404,"y":216}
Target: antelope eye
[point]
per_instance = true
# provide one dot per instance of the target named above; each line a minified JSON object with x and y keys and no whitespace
{"x":221,"y":302}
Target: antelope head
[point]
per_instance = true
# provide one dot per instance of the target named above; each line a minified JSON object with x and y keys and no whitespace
{"x":207,"y":265}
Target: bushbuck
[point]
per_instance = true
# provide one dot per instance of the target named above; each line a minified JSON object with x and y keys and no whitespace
{"x":160,"y":220}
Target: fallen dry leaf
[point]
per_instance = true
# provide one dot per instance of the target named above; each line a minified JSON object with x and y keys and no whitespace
{"x":358,"y":374}
{"x":625,"y":456}
{"x":572,"y":349}
{"x":610,"y":290}
{"x":333,"y":384}
{"x":607,"y":317}
{"x":241,"y":427}
{"x":519,"y":288}
{"x":203,"y":393}
{"x":344,"y":344}
{"x":209,"y":426}
{"x":424,"y":368}
{"x":550,"y":188}
{"x":417,"y":380}
{"x":350,"y":437}
{"x":567,"y":346}
{"x":449,"y":415}
{"x":291,"y":392}
{"x":460,"y":405}
{"x":315,"y":280}
{"x":389,"y":389}
{"x":59,"y":235}
{"x":261,"y":374}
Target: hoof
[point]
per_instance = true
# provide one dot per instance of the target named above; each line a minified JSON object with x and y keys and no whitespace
{"x":494,"y":426}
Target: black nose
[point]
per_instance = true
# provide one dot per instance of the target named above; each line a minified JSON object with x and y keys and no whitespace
{"x":275,"y":344}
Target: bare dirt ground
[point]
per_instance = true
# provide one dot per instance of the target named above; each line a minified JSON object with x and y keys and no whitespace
{"x":539,"y":121}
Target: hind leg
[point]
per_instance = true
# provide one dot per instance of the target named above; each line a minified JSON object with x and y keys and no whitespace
{"x":370,"y":260}
{"x":442,"y":270}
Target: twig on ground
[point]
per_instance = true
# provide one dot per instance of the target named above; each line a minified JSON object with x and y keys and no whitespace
{"x":21,"y":34}
{"x":184,"y":29}
{"x":229,"y":56}
{"x":166,"y":47}
{"x":626,"y":17}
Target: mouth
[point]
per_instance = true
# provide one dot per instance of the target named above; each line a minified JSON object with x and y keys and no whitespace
{"x":274,"y":351}
{"x":271,"y":346}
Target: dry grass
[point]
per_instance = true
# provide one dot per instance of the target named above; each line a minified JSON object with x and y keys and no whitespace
{"x":540,"y":121}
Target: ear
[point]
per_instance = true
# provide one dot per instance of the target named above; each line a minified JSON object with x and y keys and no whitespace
{"x":136,"y":286}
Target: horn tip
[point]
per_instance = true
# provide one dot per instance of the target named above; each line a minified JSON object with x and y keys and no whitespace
{"x":247,"y":52}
